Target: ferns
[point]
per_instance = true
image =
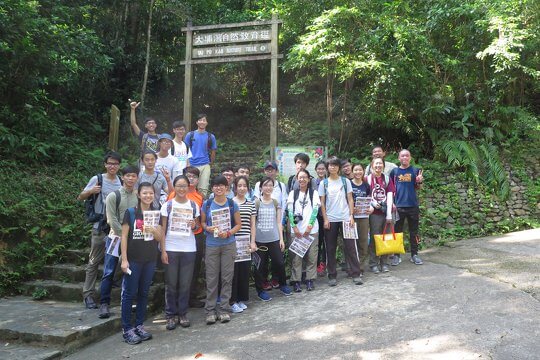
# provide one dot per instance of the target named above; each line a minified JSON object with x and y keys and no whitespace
{"x":479,"y":160}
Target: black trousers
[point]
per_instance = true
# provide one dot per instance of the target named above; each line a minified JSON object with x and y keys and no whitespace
{"x":278,"y":264}
{"x":412,"y":215}
{"x":240,"y":284}
{"x":349,"y":247}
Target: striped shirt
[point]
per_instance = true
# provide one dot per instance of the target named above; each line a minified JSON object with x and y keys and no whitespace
{"x":247,"y":210}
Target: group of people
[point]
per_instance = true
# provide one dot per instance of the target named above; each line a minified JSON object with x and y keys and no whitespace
{"x":167,"y":212}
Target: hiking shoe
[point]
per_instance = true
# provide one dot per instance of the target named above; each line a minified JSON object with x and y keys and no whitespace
{"x":104,"y":311}
{"x":395,"y":260}
{"x":266,"y":286}
{"x":218,"y":300}
{"x":332,"y":282}
{"x":415,"y":259}
{"x":385,"y":268}
{"x":285,"y":290}
{"x":171,"y":324}
{"x":321,"y":269}
{"x":224,"y":318}
{"x":274,"y":283}
{"x":131,"y":337}
{"x":358,"y":281}
{"x":143,"y":334}
{"x":183,"y":321}
{"x":375,"y":269}
{"x":211,"y":319}
{"x":235,"y":308}
{"x":90,"y":303}
{"x":242,"y":305}
{"x":297,"y":287}
{"x":263,"y":295}
{"x":309,"y":285}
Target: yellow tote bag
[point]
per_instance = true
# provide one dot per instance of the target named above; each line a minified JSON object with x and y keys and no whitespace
{"x":386,"y":244}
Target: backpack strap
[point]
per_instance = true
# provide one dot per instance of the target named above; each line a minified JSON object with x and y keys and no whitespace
{"x":344,"y":181}
{"x":143,"y":142}
{"x":296,"y":193}
{"x":209,"y":141}
{"x":131,"y":212}
{"x":118,"y":198}
{"x":190,"y":134}
{"x":290,"y":182}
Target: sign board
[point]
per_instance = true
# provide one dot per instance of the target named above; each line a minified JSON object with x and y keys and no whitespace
{"x":285,"y":158}
{"x":232,"y":50}
{"x":231,"y":37}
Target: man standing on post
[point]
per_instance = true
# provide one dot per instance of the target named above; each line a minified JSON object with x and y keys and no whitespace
{"x":203,"y":148}
{"x":117,"y":203}
{"x":407,"y":180}
{"x":99,"y":186}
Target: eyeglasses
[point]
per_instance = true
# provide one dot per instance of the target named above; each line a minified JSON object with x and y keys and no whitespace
{"x":189,"y":176}
{"x":112,"y":164}
{"x":181,"y":186}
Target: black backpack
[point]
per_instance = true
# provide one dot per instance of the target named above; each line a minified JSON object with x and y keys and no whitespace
{"x":90,"y":204}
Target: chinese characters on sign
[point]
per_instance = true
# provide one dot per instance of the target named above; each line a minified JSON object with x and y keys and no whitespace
{"x":231,"y":37}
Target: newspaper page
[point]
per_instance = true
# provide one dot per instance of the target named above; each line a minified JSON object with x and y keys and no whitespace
{"x":114,"y":246}
{"x":243,"y":252}
{"x":300,"y":245}
{"x":222,"y":219}
{"x":349,"y":231}
{"x":361,"y":207}
{"x":256,"y":260}
{"x":179,"y":221}
{"x":150,"y":218}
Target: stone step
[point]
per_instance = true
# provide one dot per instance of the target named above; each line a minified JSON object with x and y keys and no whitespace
{"x":56,"y":328}
{"x":76,"y":256}
{"x":72,"y":292}
{"x":71,"y":273}
{"x":29,"y":352}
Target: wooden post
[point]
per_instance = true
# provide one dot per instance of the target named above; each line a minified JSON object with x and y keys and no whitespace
{"x":273,"y":86}
{"x":113,"y":128}
{"x":188,"y":78}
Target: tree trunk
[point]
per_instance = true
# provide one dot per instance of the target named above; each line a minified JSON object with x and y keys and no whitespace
{"x":329,"y":102}
{"x":147,"y":62}
{"x":348,"y":85}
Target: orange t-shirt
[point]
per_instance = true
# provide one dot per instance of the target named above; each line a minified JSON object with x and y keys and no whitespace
{"x":198,"y":199}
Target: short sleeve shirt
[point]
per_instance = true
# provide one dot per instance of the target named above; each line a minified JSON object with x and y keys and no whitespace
{"x":150,"y":142}
{"x":139,"y":250}
{"x":210,"y":205}
{"x":107,"y":187}
{"x":174,"y":241}
{"x":337,"y":208}
{"x":305,"y":208}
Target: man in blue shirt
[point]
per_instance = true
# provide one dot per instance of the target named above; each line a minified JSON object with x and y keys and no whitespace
{"x":407,"y":179}
{"x":203,"y":148}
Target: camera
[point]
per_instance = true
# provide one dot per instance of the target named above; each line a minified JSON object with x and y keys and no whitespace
{"x":297,"y":218}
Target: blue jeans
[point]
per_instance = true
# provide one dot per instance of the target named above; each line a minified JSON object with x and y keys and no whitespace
{"x":178,"y":275}
{"x":136,"y":284}
{"x":108,"y":274}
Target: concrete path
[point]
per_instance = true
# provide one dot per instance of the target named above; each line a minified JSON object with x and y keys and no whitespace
{"x":475,"y":299}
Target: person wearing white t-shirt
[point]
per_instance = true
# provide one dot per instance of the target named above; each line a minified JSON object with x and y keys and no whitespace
{"x":337,"y":208}
{"x":303,"y":207}
{"x":180,"y":150}
{"x":179,"y":217}
{"x":165,"y":162}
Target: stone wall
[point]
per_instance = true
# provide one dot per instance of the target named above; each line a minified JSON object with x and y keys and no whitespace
{"x":452,"y":205}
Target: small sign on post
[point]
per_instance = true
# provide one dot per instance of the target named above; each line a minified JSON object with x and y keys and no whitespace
{"x":113,"y":128}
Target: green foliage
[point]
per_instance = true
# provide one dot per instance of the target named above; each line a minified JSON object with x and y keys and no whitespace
{"x":40,"y":293}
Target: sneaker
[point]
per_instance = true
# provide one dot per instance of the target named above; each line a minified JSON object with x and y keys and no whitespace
{"x":297,"y":287}
{"x":263,"y":295}
{"x":266,"y":286}
{"x":285,"y":290}
{"x":143,"y":334}
{"x":332,"y":282}
{"x":309,"y":285}
{"x":224,"y":318}
{"x":171,"y":324}
{"x":358,"y":281}
{"x":131,"y":337}
{"x":183,"y":321}
{"x":211,"y":319}
{"x":242,"y":305}
{"x":218,"y":300}
{"x":375,"y":269}
{"x":385,"y":268}
{"x":104,"y":311}
{"x":90,"y":303}
{"x":395,"y":260}
{"x":274,"y":283}
{"x":415,"y":259}
{"x":235,"y":308}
